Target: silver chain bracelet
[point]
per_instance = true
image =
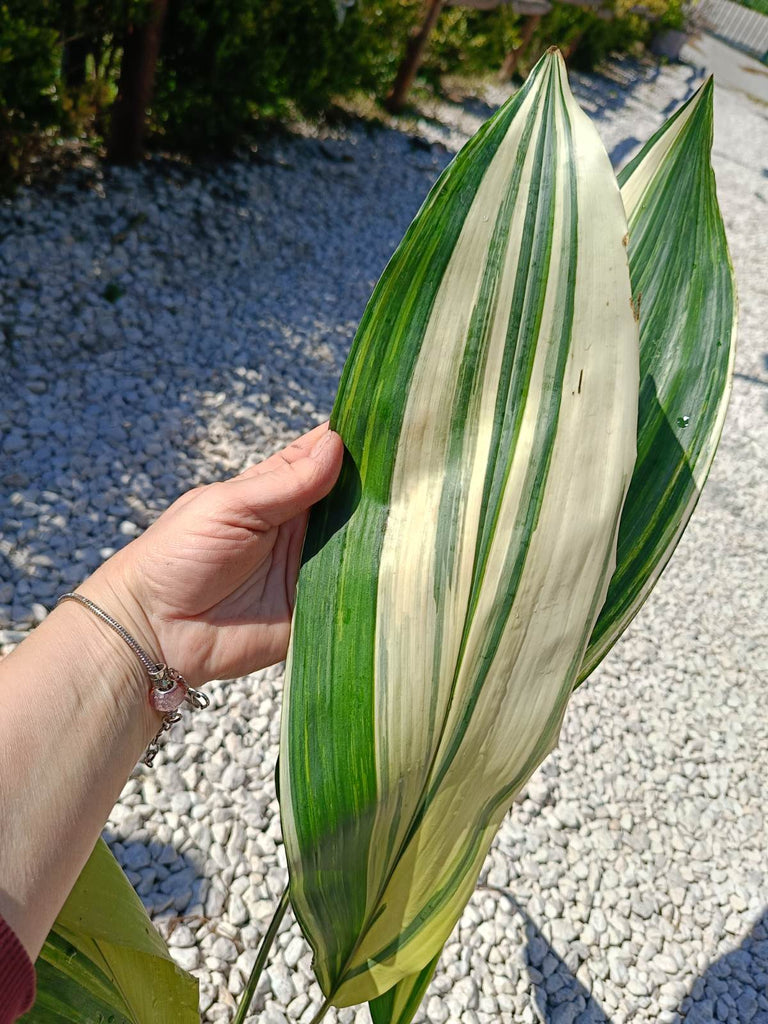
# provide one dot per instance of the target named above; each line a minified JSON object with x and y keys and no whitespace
{"x":169,"y":689}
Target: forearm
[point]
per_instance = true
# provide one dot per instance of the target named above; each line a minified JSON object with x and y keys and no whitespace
{"x":74,"y":720}
{"x":208,"y":590}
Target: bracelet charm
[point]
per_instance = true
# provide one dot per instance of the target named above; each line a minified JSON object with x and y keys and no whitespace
{"x":168,"y":688}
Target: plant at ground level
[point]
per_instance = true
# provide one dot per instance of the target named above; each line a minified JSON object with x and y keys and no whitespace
{"x":57,"y":67}
{"x":29,"y":102}
{"x":226,"y":62}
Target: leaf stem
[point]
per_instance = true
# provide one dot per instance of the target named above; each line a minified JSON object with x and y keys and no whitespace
{"x":261,"y":958}
{"x":321,"y":1012}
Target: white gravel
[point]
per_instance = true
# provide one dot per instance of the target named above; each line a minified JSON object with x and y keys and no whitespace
{"x":630,"y":884}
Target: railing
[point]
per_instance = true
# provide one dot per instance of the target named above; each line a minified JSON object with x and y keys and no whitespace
{"x":740,"y":26}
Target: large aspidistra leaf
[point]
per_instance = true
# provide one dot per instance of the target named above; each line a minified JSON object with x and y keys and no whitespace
{"x":105,"y":961}
{"x":683,"y":283}
{"x":452,"y":579}
{"x":682,"y":280}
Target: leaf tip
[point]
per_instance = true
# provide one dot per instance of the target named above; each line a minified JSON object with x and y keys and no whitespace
{"x":704,"y":95}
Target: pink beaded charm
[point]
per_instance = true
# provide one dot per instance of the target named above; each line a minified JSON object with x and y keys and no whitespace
{"x":167,"y":700}
{"x":169,"y":689}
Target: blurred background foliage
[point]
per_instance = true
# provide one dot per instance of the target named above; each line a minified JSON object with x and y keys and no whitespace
{"x":198,"y":76}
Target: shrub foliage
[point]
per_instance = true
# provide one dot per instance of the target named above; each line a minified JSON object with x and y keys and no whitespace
{"x":224,"y":64}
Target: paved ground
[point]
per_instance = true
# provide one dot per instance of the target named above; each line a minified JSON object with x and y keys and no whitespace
{"x":167,"y":326}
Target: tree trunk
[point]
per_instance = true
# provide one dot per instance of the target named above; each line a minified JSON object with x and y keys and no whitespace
{"x":73,"y":62}
{"x":509,"y":66}
{"x":570,"y":48}
{"x":412,"y":59}
{"x":137,"y":77}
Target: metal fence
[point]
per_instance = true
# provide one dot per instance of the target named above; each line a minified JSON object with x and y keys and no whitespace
{"x":740,"y":26}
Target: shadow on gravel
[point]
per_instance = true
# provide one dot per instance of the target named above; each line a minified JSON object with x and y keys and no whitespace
{"x":170,"y":884}
{"x":734,"y":988}
{"x":227,"y":339}
{"x":604,"y":93}
{"x":560,"y":996}
{"x":696,"y":76}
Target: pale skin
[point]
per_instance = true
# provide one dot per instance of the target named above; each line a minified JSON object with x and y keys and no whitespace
{"x":208,"y":589}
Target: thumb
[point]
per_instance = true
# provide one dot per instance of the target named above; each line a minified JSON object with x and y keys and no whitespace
{"x":289,"y":488}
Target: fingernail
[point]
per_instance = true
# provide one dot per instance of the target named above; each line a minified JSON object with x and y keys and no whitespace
{"x":321,"y":445}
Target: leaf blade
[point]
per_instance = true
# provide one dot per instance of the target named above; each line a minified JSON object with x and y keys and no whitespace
{"x":116,"y":956}
{"x":398,"y":1004}
{"x":476,"y":313}
{"x":680,"y":266}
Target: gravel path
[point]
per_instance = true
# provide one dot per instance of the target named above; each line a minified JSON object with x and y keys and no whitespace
{"x":168,"y":326}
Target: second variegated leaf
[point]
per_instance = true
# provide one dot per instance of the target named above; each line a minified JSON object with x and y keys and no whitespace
{"x":683,"y":284}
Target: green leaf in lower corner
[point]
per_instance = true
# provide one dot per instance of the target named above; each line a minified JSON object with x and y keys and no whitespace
{"x":105,"y":963}
{"x":71,"y":987}
{"x":682,"y":280}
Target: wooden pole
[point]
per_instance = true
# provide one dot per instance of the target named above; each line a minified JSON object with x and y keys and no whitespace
{"x":509,"y":66}
{"x":411,"y":62}
{"x":141,"y":50}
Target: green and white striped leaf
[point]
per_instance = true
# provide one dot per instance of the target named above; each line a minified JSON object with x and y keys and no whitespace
{"x":453,"y":577}
{"x":683,"y":282}
{"x":105,"y":961}
{"x":681,"y":274}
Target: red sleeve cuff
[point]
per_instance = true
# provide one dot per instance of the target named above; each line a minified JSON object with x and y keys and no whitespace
{"x":17,"y":977}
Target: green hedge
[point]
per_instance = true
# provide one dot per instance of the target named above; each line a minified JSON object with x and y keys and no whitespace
{"x":29,"y":100}
{"x":225,"y":64}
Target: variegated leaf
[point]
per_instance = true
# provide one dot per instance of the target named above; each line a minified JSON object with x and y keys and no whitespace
{"x":682,"y":280}
{"x":452,"y":579}
{"x":399,"y":1003}
{"x":683,"y":283}
{"x":105,"y":961}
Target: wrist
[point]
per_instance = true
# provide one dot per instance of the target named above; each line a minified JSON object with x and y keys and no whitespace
{"x":111,"y":589}
{"x":124,"y":679}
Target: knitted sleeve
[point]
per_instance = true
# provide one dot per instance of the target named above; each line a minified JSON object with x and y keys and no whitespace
{"x":17,"y":977}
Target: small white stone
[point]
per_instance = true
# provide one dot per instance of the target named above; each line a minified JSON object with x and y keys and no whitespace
{"x":294,"y":951}
{"x":224,"y":949}
{"x":465,"y":991}
{"x":437,"y":1011}
{"x":39,"y":612}
{"x":187,"y":958}
{"x":182,"y":937}
{"x":281,"y":983}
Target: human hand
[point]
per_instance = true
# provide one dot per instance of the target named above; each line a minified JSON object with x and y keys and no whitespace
{"x":209,"y":588}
